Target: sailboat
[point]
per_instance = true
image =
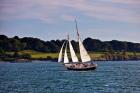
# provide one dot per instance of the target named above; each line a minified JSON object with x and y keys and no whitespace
{"x":75,"y":64}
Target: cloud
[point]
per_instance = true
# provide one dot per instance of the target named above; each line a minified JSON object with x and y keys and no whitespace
{"x":68,"y":17}
{"x":53,"y":10}
{"x":131,"y":2}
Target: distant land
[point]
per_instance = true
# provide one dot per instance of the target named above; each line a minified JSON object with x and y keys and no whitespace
{"x":30,"y":43}
{"x":31,"y":48}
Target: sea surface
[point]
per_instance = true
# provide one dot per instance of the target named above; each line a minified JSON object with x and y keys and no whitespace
{"x":53,"y":77}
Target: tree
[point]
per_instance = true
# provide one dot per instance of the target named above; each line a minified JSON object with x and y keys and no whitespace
{"x":16,"y":55}
{"x":29,"y":43}
{"x":92,"y":44}
{"x":3,"y":37}
{"x":2,"y":51}
{"x":26,"y":56}
{"x":16,"y":37}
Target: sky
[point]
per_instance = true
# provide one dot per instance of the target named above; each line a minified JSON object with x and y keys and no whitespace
{"x":54,"y":19}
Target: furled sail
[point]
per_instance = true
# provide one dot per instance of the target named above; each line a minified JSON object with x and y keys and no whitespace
{"x":66,"y":60}
{"x":60,"y":53}
{"x":72,"y":52}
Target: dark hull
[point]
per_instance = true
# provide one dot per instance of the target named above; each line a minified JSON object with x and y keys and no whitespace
{"x":83,"y":68}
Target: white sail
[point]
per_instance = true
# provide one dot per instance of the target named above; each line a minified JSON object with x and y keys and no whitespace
{"x":72,"y":52}
{"x":60,"y":53}
{"x":83,"y":53}
{"x":66,"y":60}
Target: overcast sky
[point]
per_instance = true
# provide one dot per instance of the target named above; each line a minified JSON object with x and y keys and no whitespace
{"x":54,"y":19}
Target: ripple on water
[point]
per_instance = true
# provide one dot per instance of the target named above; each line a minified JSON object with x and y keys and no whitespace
{"x":48,"y":77}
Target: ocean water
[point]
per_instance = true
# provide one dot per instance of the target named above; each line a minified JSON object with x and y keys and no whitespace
{"x":52,"y":77}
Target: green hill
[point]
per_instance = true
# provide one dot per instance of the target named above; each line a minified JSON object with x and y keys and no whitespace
{"x":53,"y":46}
{"x":34,"y":48}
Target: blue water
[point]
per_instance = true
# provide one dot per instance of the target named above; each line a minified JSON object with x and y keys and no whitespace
{"x":51,"y":77}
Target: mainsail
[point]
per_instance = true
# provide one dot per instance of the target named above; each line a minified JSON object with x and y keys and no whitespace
{"x":60,"y":53}
{"x":72,"y":52}
{"x":83,"y":53}
{"x":66,"y":60}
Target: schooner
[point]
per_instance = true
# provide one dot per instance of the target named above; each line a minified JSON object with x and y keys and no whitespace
{"x":84,"y":64}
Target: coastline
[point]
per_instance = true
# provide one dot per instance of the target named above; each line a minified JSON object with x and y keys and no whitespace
{"x":30,"y":55}
{"x":55,"y":60}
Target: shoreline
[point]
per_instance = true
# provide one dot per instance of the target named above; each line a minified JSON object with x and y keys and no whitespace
{"x":55,"y":60}
{"x":28,"y":55}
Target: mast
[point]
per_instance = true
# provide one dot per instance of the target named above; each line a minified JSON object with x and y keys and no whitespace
{"x":83,"y":53}
{"x":77,"y":29}
{"x":72,"y":52}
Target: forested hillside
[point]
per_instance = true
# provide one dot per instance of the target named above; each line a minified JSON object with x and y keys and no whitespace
{"x":30,"y":43}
